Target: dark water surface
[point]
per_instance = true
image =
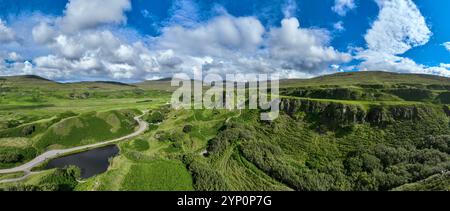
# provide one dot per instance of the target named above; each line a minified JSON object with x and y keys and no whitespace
{"x":91,"y":162}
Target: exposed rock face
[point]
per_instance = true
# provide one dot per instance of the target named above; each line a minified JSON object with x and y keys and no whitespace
{"x":335,"y":114}
{"x":447,"y":110}
{"x":328,"y":113}
{"x":405,"y":113}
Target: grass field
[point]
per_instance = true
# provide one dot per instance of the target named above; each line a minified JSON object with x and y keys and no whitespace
{"x":158,"y":175}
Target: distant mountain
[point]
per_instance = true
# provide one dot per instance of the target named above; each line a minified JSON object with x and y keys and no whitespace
{"x":24,"y":77}
{"x":368,"y":77}
{"x":338,"y":79}
{"x":29,"y":81}
{"x":102,"y":84}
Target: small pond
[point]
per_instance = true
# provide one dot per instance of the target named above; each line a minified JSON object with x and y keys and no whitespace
{"x":91,"y":163}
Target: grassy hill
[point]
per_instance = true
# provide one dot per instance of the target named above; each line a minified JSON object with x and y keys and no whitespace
{"x":22,"y":143}
{"x":337,"y":79}
{"x":37,"y":82}
{"x":87,"y":128}
{"x":367,"y":78}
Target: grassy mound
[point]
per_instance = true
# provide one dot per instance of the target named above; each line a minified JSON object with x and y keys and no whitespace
{"x":88,"y":128}
{"x":31,"y":129}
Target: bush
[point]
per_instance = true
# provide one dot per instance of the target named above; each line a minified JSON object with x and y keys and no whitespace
{"x":61,"y":180}
{"x":187,"y":128}
{"x":231,"y":134}
{"x":28,"y":130}
{"x":11,"y":155}
{"x":140,"y":145}
{"x":206,"y":178}
{"x":413,"y":94}
{"x":444,"y":98}
{"x":155,"y":117}
{"x":441,"y":143}
{"x":166,"y":136}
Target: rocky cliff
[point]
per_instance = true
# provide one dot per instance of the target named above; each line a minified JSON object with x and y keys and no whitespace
{"x":334,"y":114}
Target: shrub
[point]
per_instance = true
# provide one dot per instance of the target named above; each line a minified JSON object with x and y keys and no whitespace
{"x":140,"y":145}
{"x":187,"y":128}
{"x":155,"y":117}
{"x":10,"y":155}
{"x":413,"y":94}
{"x":206,"y":178}
{"x":61,"y":180}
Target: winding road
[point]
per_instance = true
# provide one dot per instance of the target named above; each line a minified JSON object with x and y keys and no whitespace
{"x":143,"y":126}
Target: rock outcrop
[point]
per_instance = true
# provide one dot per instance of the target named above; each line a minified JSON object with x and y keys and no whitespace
{"x":335,"y":114}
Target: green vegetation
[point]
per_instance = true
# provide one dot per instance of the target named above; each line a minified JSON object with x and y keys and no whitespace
{"x":367,"y":131}
{"x":52,"y":180}
{"x":439,"y":182}
{"x":158,"y":175}
{"x":11,"y":175}
{"x":88,"y":128}
{"x":9,"y":156}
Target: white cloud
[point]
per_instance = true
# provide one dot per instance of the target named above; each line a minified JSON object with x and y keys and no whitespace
{"x":224,"y":44}
{"x":85,"y":14}
{"x":184,"y":13}
{"x":289,"y":9}
{"x":303,"y":49}
{"x":43,"y":33}
{"x":341,"y":7}
{"x":7,"y":35}
{"x":374,"y":60}
{"x":399,"y":27}
{"x":339,"y":26}
{"x":13,"y":56}
{"x":447,"y":45}
{"x":216,"y":37}
{"x":447,"y":66}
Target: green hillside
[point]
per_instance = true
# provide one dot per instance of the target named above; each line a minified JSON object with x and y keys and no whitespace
{"x":438,"y":182}
{"x":368,"y":78}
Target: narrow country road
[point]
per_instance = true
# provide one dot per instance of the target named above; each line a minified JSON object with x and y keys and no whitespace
{"x":143,"y":126}
{"x":20,"y":178}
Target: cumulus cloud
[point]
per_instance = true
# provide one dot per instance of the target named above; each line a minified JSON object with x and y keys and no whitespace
{"x":7,"y":35}
{"x":339,"y":26}
{"x":443,"y":65}
{"x":85,"y":14}
{"x":399,"y":27}
{"x":217,"y":37}
{"x":374,"y":60}
{"x":341,"y":7}
{"x":447,"y":45}
{"x":43,"y":33}
{"x":14,"y":56}
{"x":303,"y":49}
{"x":223,"y":44}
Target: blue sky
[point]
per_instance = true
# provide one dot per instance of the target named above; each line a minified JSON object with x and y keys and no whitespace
{"x":133,"y":40}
